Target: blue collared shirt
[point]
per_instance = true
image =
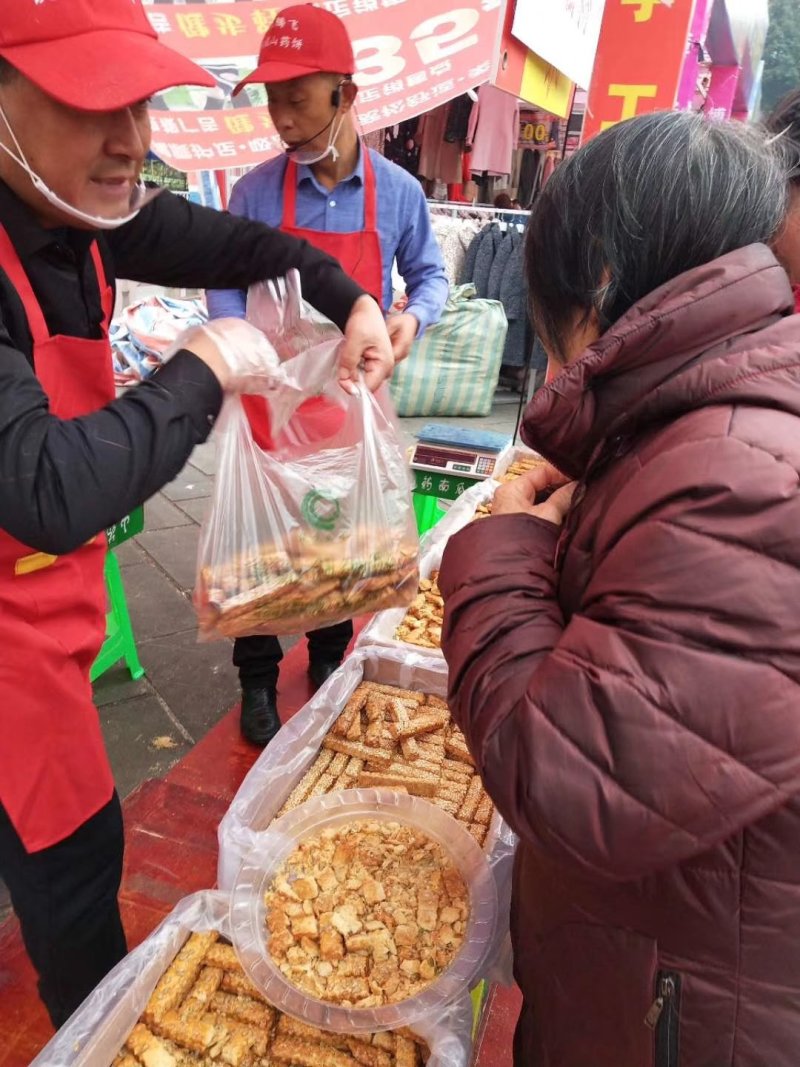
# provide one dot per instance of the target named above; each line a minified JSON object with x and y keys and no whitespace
{"x":404,"y":227}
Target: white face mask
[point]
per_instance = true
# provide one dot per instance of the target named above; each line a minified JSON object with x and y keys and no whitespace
{"x":141,"y":194}
{"x":306,"y":159}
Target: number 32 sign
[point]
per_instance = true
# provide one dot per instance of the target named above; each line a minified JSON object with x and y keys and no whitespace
{"x":410,"y":57}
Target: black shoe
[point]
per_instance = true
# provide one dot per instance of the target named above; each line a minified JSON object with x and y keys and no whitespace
{"x":259,"y":722}
{"x":320,"y":670}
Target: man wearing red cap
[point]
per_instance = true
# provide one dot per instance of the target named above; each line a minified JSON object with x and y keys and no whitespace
{"x":75,"y":76}
{"x":352,"y":203}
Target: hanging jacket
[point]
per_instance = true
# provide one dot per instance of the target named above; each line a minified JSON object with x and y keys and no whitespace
{"x":505,"y":248}
{"x":458,"y":115}
{"x":467,"y":272}
{"x":484,"y":258}
{"x":629,"y":686}
{"x":514,"y":298}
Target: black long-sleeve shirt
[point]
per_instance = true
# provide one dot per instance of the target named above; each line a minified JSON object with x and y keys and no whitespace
{"x":62,"y":481}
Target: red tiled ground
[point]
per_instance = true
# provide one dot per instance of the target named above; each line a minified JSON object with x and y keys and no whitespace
{"x":171,"y":850}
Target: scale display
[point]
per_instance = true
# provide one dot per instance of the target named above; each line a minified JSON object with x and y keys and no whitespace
{"x":469,"y":463}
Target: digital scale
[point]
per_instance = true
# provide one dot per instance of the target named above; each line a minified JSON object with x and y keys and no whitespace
{"x":446,"y":461}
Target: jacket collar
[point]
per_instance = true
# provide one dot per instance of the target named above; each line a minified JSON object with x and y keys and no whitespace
{"x":28,"y":235}
{"x":664,"y":356}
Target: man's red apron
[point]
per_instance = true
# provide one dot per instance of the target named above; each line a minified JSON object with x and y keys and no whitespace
{"x":54,"y":772}
{"x":360,"y":256}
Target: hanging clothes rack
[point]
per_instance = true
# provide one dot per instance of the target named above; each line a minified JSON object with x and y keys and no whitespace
{"x":472,"y":210}
{"x":506,"y":217}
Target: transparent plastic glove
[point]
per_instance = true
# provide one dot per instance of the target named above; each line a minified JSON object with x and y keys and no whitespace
{"x":293,"y":326}
{"x":240,"y":355}
{"x":289,"y":322}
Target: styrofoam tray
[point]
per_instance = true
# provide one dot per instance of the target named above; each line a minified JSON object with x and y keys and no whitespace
{"x":94,"y":1034}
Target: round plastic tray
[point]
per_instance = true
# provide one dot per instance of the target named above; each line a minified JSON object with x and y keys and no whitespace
{"x":248,"y":911}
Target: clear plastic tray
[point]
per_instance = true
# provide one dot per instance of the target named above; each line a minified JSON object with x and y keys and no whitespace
{"x":248,"y":910}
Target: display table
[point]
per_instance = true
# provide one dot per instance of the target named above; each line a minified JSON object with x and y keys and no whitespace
{"x":171,"y":850}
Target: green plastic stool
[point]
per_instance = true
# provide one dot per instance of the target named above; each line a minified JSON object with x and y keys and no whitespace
{"x":426,"y":511}
{"x":119,"y":643}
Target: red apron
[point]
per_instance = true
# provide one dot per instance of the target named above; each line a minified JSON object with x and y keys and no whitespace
{"x":54,"y":772}
{"x":359,"y":253}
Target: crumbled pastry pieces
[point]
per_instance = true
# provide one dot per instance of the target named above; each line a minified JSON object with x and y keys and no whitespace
{"x":221,"y":1020}
{"x":414,"y":747}
{"x":388,"y":913}
{"x":422,"y":624}
{"x":125,"y":1059}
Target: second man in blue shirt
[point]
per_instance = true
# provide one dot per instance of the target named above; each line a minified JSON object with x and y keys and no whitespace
{"x":348,"y":201}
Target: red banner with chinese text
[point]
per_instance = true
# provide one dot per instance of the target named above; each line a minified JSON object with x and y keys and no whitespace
{"x":639,"y":60}
{"x":410,"y":58}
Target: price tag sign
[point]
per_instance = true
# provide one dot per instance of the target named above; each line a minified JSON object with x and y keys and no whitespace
{"x":126,"y":528}
{"x":534,"y":129}
{"x":410,"y":57}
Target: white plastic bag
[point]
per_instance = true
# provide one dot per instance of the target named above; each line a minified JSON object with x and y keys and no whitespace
{"x":284,"y":762}
{"x":319,"y":527}
{"x":459,"y":515}
{"x":380,"y":630}
{"x":97,"y":1030}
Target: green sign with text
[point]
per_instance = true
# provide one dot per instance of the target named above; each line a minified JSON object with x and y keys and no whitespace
{"x":442,"y":486}
{"x":126,"y":528}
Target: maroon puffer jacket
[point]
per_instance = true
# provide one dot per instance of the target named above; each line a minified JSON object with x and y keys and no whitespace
{"x":629,"y":686}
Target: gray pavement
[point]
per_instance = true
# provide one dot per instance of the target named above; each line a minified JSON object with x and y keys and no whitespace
{"x":151,"y":723}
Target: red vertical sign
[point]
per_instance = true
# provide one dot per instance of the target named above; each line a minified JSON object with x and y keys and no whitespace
{"x":639,"y":60}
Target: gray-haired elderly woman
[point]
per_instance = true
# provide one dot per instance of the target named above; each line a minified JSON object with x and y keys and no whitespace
{"x":625,"y":655}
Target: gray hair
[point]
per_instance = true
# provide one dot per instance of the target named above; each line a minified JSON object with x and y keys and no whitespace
{"x":642,"y":203}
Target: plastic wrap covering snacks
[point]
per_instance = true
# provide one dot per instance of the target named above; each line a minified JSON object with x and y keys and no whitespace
{"x":419,"y":626}
{"x":182,"y":997}
{"x":312,"y":531}
{"x":380,"y":721}
{"x":454,"y":367}
{"x":460,"y":514}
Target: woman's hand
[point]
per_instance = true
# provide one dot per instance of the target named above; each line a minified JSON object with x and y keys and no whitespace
{"x":518,"y":497}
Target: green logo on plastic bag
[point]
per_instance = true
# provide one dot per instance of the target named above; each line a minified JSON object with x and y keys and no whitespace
{"x":320,"y":510}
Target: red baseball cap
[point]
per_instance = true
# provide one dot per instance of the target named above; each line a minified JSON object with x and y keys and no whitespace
{"x":95,"y":55}
{"x":303,"y":39}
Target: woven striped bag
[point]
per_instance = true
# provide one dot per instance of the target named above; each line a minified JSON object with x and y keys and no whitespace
{"x":453,"y":368}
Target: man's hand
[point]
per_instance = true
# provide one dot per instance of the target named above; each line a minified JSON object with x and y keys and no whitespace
{"x":402,"y":331}
{"x":519,"y":496}
{"x":366,"y":346}
{"x":237,"y":353}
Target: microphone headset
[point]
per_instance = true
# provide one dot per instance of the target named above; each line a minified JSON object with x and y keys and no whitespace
{"x":336,"y":99}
